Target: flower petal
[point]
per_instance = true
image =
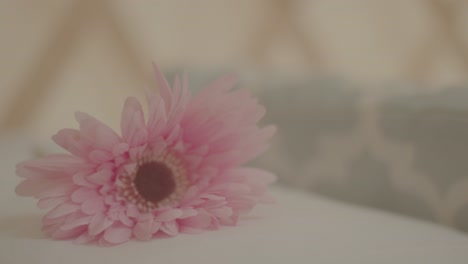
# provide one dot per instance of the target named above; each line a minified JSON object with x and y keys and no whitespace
{"x":100,"y":156}
{"x":117,"y":235}
{"x":132,"y":211}
{"x":171,"y":228}
{"x":133,"y":123}
{"x":101,"y":177}
{"x":93,"y":206}
{"x":200,"y":221}
{"x":221,"y":212}
{"x":57,"y":165}
{"x":70,"y":139}
{"x":45,"y":203}
{"x":66,"y":234}
{"x":77,"y":222}
{"x":61,"y":210}
{"x":163,"y":86}
{"x":80,"y":180}
{"x":120,"y":149}
{"x":157,"y":117}
{"x":221,"y":84}
{"x":188,"y":212}
{"x":96,"y":133}
{"x":123,"y":217}
{"x":83,"y":194}
{"x":44,"y":188}
{"x":168,"y":215}
{"x":143,"y":230}
{"x":155,"y":227}
{"x":99,"y":223}
{"x":84,"y":238}
{"x":212,"y":197}
{"x":145,"y":216}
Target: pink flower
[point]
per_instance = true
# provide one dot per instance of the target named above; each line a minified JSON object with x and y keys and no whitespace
{"x":180,"y":171}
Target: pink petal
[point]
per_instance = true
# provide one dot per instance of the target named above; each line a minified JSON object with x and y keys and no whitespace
{"x":117,"y":235}
{"x":143,"y":230}
{"x":99,"y":223}
{"x":76,"y":222}
{"x":96,"y":133}
{"x":51,"y":166}
{"x":221,"y":84}
{"x":67,"y":234}
{"x":174,"y":135}
{"x":178,"y":104}
{"x":44,"y":188}
{"x":213,"y":203}
{"x":80,"y":180}
{"x":190,"y":194}
{"x":168,"y":215}
{"x":109,"y":199}
{"x":120,"y":149}
{"x":133,"y":211}
{"x":101,"y":177}
{"x":45,"y":203}
{"x":93,"y":206}
{"x":157,"y":117}
{"x":215,"y":223}
{"x":155,"y":227}
{"x":106,"y":166}
{"x":100,"y":156}
{"x":212,"y":197}
{"x":125,"y":219}
{"x":145,"y":216}
{"x":200,"y":221}
{"x":230,"y":221}
{"x":83,"y":194}
{"x":190,"y":230}
{"x":61,"y":210}
{"x":104,"y":243}
{"x":54,"y":222}
{"x":158,"y":145}
{"x":163,"y":86}
{"x":231,"y":189}
{"x":84,"y":238}
{"x":70,"y":139}
{"x":193,"y":160}
{"x":137,"y":152}
{"x":222,"y":212}
{"x":171,"y":228}
{"x":242,"y":204}
{"x":114,"y":212}
{"x":133,"y":123}
{"x":188,"y":212}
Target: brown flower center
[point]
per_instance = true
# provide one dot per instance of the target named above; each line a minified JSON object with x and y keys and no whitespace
{"x":154,"y":181}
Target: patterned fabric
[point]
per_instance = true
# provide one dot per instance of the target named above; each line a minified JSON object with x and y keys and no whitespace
{"x":402,"y":149}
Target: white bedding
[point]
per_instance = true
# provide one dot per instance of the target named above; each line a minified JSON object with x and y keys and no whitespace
{"x":301,"y":228}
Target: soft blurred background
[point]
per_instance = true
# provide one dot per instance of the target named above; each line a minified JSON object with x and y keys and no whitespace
{"x":370,"y":95}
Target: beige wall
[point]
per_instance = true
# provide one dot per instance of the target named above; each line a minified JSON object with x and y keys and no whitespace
{"x":61,"y":56}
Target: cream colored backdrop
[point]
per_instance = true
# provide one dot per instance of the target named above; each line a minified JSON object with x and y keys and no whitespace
{"x":59,"y":56}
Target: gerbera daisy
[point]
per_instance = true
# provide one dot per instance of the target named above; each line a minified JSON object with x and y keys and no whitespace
{"x":180,"y":171}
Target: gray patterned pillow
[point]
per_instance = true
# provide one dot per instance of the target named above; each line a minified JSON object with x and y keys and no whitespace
{"x":404,"y":151}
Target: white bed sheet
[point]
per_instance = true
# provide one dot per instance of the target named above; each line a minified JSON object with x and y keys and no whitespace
{"x":301,"y":228}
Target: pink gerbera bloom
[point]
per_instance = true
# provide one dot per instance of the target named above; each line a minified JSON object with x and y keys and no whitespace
{"x":179,"y":172}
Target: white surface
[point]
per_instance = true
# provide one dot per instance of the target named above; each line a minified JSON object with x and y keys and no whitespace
{"x":301,"y":228}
